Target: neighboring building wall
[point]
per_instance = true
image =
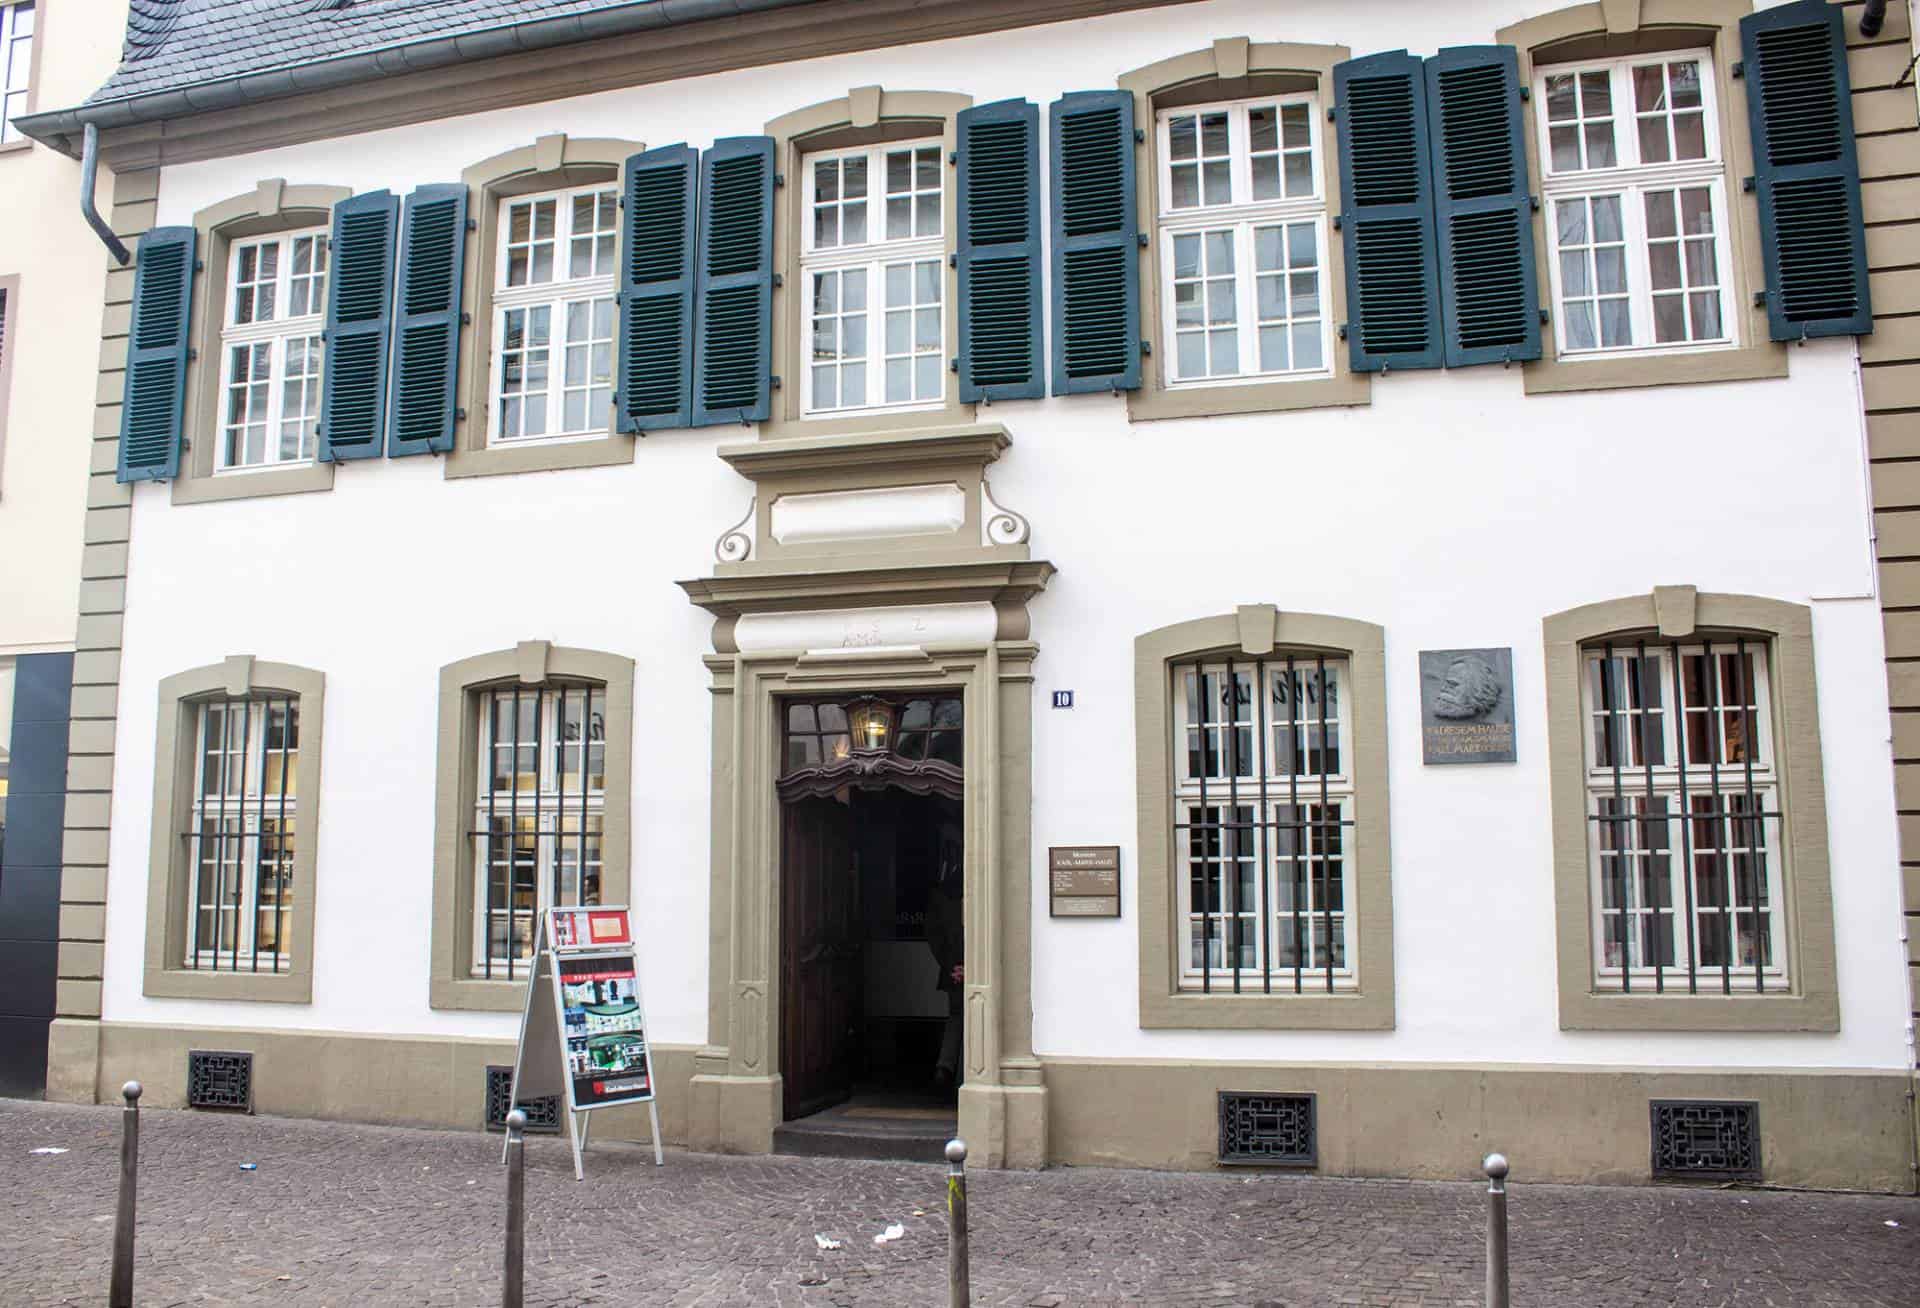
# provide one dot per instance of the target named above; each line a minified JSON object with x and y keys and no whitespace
{"x":52,"y":269}
{"x":1452,"y":510}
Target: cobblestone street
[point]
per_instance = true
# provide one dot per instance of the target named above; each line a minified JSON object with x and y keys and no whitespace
{"x":345,"y":1215}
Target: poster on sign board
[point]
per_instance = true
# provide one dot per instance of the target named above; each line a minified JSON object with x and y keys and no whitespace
{"x":606,"y":1039}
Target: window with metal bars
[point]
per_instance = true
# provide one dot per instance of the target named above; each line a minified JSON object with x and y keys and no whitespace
{"x":538,"y":814}
{"x":1683,"y":807}
{"x":240,"y":841}
{"x":1263,"y":819}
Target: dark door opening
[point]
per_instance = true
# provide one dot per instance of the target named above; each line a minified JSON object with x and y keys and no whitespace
{"x":871,"y":946}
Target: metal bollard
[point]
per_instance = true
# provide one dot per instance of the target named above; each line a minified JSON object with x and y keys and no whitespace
{"x":511,"y":1294}
{"x":120,"y":1289}
{"x":959,"y":1294}
{"x":1495,"y":1167}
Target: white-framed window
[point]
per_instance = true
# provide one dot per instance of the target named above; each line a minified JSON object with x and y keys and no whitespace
{"x":270,"y":351}
{"x":1637,"y":204}
{"x":16,"y":65}
{"x":553,"y":315}
{"x":538,"y":814}
{"x":873,"y":263}
{"x":1263,"y":798}
{"x":241,"y":835}
{"x":1243,"y":239}
{"x":1684,"y":840}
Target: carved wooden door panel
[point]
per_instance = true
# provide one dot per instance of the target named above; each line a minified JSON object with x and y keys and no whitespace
{"x":820,"y":960}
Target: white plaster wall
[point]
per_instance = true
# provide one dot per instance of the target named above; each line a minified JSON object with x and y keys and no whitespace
{"x":1454,"y":511}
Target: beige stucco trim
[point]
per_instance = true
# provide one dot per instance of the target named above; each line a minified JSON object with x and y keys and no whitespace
{"x":549,"y":164}
{"x":1236,"y":67}
{"x":9,"y":326}
{"x":170,"y":870}
{"x":1257,"y":630}
{"x":866,"y":115}
{"x":23,"y":144}
{"x":1812,"y":1003}
{"x":1590,"y":31}
{"x":531,"y":663}
{"x":271,"y":206}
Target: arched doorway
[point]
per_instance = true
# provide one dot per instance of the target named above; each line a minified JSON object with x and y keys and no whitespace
{"x":872,"y":941}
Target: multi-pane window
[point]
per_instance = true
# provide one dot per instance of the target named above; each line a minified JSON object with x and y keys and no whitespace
{"x":1263,"y":798}
{"x":553,"y":315}
{"x":538,"y":814}
{"x":873,"y":263}
{"x":240,"y":837}
{"x":270,"y":351}
{"x":16,"y":65}
{"x":1243,"y":237}
{"x":1636,"y":195}
{"x":1683,"y":809}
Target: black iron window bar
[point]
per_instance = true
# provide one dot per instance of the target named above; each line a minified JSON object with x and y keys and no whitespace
{"x":518,"y":837}
{"x":224,"y":809}
{"x":1720,"y":811}
{"x":1310,"y":832}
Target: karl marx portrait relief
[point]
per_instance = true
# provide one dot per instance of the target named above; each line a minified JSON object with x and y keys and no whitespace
{"x":1466,"y":705}
{"x":1470,"y":689}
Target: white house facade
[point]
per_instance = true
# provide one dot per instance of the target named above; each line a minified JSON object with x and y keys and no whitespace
{"x":818,"y":474}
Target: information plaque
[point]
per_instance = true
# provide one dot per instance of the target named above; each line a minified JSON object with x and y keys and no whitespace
{"x":583,"y":1033}
{"x":1083,"y":880}
{"x":1466,"y":706}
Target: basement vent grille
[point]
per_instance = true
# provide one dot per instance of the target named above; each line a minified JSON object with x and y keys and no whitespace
{"x":219,"y":1080}
{"x":1267,"y":1130}
{"x":1706,"y":1139}
{"x":543,"y":1114}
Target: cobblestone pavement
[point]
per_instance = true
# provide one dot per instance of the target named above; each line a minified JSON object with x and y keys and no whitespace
{"x":360,"y":1216}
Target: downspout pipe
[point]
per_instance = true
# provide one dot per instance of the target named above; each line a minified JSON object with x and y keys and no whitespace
{"x":89,"y":172}
{"x":1873,"y":17}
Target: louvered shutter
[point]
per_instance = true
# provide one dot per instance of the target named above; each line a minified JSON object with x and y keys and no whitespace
{"x":156,"y":381}
{"x":359,"y":314}
{"x":734,"y":283}
{"x":1806,"y":172}
{"x":426,"y":364}
{"x":1386,"y":221}
{"x":1096,"y":239}
{"x":655,"y":376}
{"x":1489,"y":294}
{"x":999,"y":252}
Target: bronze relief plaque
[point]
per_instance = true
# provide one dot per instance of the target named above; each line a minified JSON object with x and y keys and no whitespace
{"x":1466,"y":706}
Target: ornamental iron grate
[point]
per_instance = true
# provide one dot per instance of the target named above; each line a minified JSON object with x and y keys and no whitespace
{"x":219,"y":1080}
{"x":543,"y":1114}
{"x":1706,"y":1139}
{"x":1268,"y":1130}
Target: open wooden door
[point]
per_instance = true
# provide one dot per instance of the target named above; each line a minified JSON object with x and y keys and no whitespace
{"x":820,"y":964}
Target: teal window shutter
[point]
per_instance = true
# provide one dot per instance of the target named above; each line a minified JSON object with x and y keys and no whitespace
{"x":426,"y":361}
{"x":1489,"y":293}
{"x":655,"y":374}
{"x":1806,"y":172}
{"x":999,"y":252}
{"x":359,"y":313}
{"x":732,"y":358}
{"x":1096,"y":244}
{"x":152,"y":404}
{"x":1386,"y":220}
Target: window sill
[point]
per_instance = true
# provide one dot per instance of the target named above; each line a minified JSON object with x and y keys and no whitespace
{"x":468,"y":995}
{"x":606,"y":451}
{"x":1341,"y":390}
{"x":861,"y":421}
{"x":266,"y":987}
{"x":1187,"y":1011}
{"x":1670,"y":1012}
{"x":16,"y":147}
{"x":1550,"y":376}
{"x":212,"y":487}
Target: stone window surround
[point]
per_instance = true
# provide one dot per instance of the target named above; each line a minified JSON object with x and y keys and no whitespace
{"x":866,"y":115}
{"x":40,"y":8}
{"x":1253,"y":631}
{"x":9,"y":347}
{"x":1811,"y":1002}
{"x":1232,"y":69}
{"x":530,"y":663}
{"x":170,"y":870}
{"x":551,"y":163}
{"x":1629,"y":27}
{"x":272,"y":206}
